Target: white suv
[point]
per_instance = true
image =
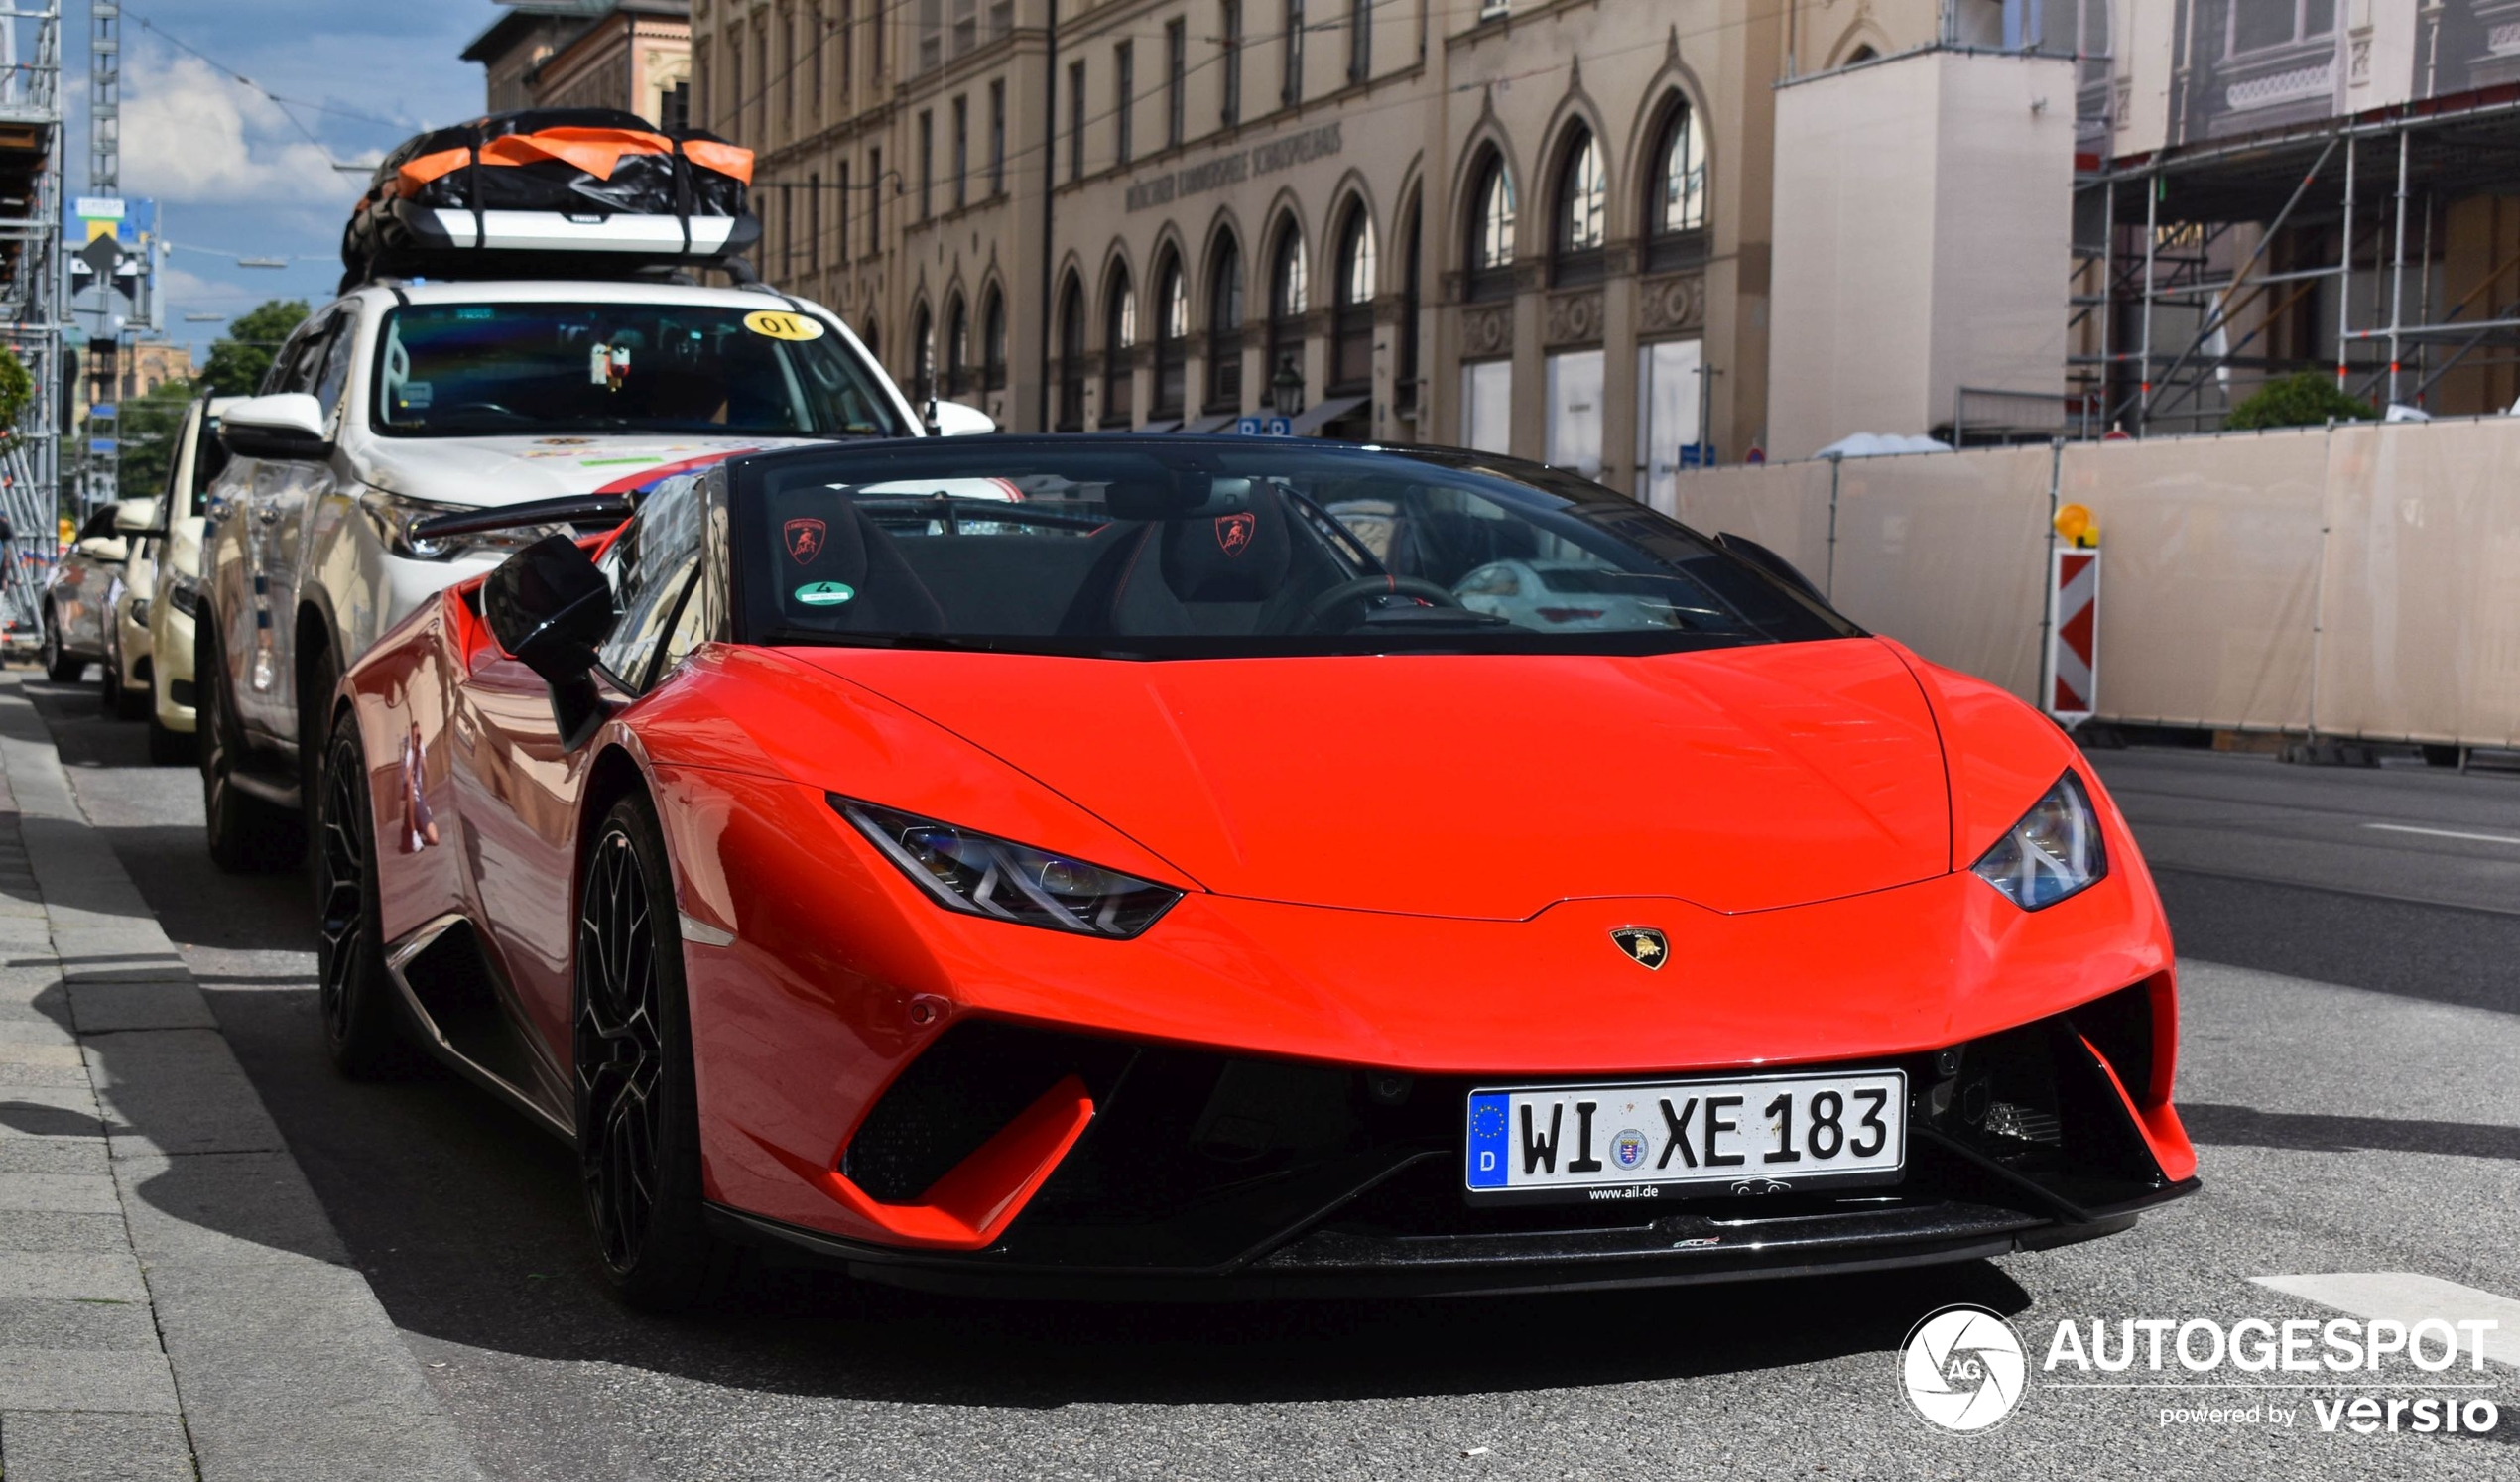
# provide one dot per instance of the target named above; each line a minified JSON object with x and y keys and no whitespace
{"x":397,"y":402}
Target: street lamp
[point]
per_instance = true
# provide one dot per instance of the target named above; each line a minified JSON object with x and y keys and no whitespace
{"x":1286,"y":389}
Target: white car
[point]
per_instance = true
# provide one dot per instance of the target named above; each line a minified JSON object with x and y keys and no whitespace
{"x":155,"y":633}
{"x":79,"y":597}
{"x":402,"y":401}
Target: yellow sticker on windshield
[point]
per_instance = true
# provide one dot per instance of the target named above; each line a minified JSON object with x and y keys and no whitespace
{"x":779,"y":325}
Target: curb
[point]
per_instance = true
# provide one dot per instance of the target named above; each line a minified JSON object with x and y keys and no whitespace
{"x":173,"y":1301}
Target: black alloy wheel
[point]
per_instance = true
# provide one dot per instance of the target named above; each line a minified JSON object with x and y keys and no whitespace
{"x":246,"y":834}
{"x":353,"y":993}
{"x":637,"y":1119}
{"x":59,"y":666}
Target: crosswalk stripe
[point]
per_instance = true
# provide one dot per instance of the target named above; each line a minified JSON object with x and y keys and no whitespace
{"x":2408,"y":1298}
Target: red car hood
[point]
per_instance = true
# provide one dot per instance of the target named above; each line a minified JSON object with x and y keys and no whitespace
{"x":1474,"y":786}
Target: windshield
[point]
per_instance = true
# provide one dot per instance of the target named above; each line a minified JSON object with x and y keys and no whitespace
{"x":471,"y":370}
{"x":1186,"y":548}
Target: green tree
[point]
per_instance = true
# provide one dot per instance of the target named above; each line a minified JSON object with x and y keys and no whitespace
{"x":2309,"y":398}
{"x":145,"y":428}
{"x":17,"y":388}
{"x":240,"y":357}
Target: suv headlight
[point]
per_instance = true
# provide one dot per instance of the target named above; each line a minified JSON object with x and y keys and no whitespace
{"x":983,"y":875}
{"x":394,"y":514}
{"x":2054,"y":851}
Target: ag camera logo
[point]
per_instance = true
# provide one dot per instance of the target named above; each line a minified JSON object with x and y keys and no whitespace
{"x":1964,"y":1368}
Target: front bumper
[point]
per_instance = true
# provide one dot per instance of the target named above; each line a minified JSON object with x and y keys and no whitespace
{"x":1335,"y":1183}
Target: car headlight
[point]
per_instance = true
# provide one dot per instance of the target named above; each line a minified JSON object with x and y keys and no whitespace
{"x":988,"y":876}
{"x":394,"y":514}
{"x":2054,"y":852}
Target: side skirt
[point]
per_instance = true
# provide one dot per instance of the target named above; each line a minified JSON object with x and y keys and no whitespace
{"x":453,"y":995}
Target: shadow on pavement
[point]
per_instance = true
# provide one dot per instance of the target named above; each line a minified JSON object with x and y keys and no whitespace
{"x":2444,"y":955}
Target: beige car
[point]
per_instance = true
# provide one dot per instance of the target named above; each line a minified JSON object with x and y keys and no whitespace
{"x":154,"y":630}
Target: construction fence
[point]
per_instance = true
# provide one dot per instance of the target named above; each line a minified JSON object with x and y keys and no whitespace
{"x":2358,"y":581}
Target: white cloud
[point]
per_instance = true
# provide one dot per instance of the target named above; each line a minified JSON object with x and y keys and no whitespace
{"x":191,"y":134}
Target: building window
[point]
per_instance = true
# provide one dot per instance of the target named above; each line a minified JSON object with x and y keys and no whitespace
{"x":1123,"y":102}
{"x":993,"y":342}
{"x":1583,"y":194}
{"x":875,"y":183}
{"x":1230,"y":86}
{"x":1172,"y":340}
{"x":1491,"y":231}
{"x":787,"y":76}
{"x":957,"y":339}
{"x":1291,"y":89}
{"x":813,"y":222}
{"x":1224,"y":328}
{"x":1489,"y":10}
{"x":1119,"y":337}
{"x":927,"y":164}
{"x":966,"y":25}
{"x":848,"y":47}
{"x":1001,"y":18}
{"x":1404,"y":375}
{"x":872,"y":337}
{"x":1361,"y":40}
{"x":1072,"y":356}
{"x":761,"y":79}
{"x":1285,"y":304}
{"x":733,"y":121}
{"x":814,"y":49}
{"x":704,"y":59}
{"x":961,"y":150}
{"x":2257,"y":25}
{"x":1574,"y":412}
{"x":1676,"y":207}
{"x":930,"y":34}
{"x":840,"y":203}
{"x":997,"y":138}
{"x":1666,"y":419}
{"x":673,"y":107}
{"x":1076,"y":121}
{"x":1176,"y":74}
{"x":787,"y":230}
{"x":1352,"y":328}
{"x":1487,"y":406}
{"x":923,"y":358}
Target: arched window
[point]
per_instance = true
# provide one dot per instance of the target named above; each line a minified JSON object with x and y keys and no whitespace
{"x":1286,"y":305}
{"x":1352,"y":328}
{"x":1676,"y":198}
{"x":1225,"y":327}
{"x":1404,"y":372}
{"x":1119,"y":338}
{"x":873,"y":338}
{"x":923,"y":355}
{"x":1072,"y":356}
{"x":958,"y":353}
{"x":993,"y":342}
{"x":1171,"y":339}
{"x":1584,"y":197}
{"x":1491,"y":230}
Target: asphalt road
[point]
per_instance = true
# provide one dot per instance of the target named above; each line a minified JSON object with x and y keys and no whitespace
{"x":2351,"y":1027}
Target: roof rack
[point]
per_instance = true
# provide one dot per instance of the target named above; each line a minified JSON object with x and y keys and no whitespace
{"x":552,"y":193}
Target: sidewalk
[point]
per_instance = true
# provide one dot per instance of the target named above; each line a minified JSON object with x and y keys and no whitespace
{"x":173,"y":1301}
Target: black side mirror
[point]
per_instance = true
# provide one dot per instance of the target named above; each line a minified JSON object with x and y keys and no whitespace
{"x":548,"y":607}
{"x":1769,"y":562}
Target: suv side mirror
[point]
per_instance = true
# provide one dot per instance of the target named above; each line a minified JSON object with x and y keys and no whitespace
{"x":956,"y":419}
{"x":138,"y":517}
{"x":103,"y":549}
{"x":289,"y":425}
{"x":549,"y":606}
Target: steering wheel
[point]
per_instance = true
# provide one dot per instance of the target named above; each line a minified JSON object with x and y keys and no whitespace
{"x":1321,"y":607}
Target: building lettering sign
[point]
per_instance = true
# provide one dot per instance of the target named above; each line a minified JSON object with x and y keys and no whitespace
{"x":1235,"y":169}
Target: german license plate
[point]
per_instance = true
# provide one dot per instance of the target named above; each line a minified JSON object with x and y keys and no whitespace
{"x":1763,"y":1134}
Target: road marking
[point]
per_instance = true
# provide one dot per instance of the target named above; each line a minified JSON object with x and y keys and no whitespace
{"x":2404,"y":1296}
{"x":2445,"y":833}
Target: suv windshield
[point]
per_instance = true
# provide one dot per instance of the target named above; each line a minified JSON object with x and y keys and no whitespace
{"x":1181,"y":547}
{"x":471,"y":370}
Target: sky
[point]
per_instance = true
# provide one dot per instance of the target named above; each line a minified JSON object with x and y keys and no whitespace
{"x":236,"y":175}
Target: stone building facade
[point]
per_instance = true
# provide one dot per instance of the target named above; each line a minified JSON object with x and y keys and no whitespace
{"x":1540,"y":228}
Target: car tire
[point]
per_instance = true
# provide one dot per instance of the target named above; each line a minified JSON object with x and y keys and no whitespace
{"x":637,"y":1109}
{"x":167,"y":747}
{"x":59,"y":666}
{"x":354,"y":999}
{"x":246,"y":834}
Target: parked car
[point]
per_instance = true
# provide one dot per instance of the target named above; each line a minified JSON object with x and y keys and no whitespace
{"x":158,"y":633}
{"x":403,"y":401}
{"x":78,"y":596}
{"x":126,"y":663}
{"x":1143,"y":888}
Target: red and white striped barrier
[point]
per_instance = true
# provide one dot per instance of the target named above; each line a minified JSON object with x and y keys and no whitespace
{"x":2074,"y":641}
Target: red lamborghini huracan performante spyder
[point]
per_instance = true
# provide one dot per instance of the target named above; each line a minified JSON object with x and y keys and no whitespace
{"x":1179,"y":865}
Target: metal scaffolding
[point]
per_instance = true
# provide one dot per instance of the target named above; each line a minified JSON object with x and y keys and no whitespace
{"x":33,"y":278}
{"x":2317,"y":246}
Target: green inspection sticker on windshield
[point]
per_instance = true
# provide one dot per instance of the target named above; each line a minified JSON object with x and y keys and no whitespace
{"x":825,"y":594}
